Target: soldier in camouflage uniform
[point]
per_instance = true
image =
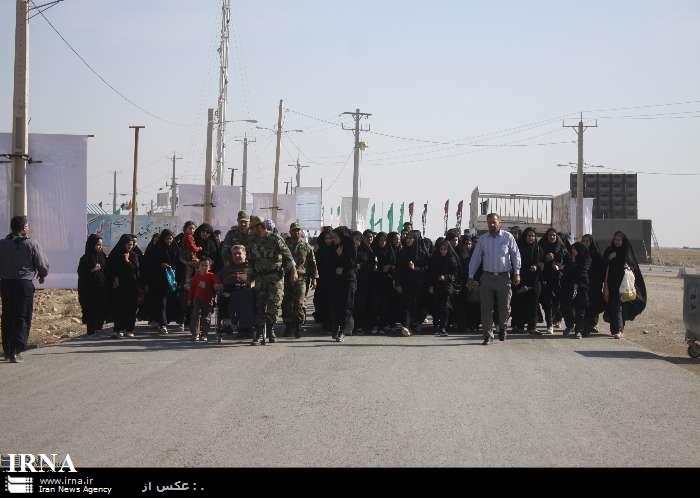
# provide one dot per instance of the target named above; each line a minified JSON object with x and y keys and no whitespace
{"x":270,"y":257}
{"x":293,"y":309}
{"x":238,"y":235}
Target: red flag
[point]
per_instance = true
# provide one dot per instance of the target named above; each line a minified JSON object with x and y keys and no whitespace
{"x":459,"y":209}
{"x":129,"y":206}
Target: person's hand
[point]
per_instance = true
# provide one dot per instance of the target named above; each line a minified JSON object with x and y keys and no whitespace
{"x":411,"y":265}
{"x":471,"y":283}
{"x":556,"y":267}
{"x":97,"y":267}
{"x":165,"y":265}
{"x":516,"y":279}
{"x":339,"y":270}
{"x":612,"y":256}
{"x":293,"y":276}
{"x":441,"y":278}
{"x":126,"y":257}
{"x":42,"y":280}
{"x":313,"y":283}
{"x":533,"y":268}
{"x":548,"y":257}
{"x":252,"y":284}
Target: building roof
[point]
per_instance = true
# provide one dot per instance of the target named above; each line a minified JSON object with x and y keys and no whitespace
{"x":96,"y":209}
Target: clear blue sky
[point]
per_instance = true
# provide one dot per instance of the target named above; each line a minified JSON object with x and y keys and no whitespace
{"x":442,"y":71}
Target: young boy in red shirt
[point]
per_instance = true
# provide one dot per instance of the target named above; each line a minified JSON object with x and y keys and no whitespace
{"x":201,"y":297}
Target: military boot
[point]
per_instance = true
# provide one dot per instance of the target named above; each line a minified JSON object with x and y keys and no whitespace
{"x":271,"y":332}
{"x":258,"y":335}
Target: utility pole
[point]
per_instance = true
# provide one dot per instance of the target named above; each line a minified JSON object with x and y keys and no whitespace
{"x":275,"y":190}
{"x":114,"y":195}
{"x":286,"y":186}
{"x":223,"y":91}
{"x":20,"y":128}
{"x":136,"y":129}
{"x":233,"y":171}
{"x":207,"y":169}
{"x":298,"y":168}
{"x":173,"y":187}
{"x":244,"y":182}
{"x":579,"y":129}
{"x":357,"y":115}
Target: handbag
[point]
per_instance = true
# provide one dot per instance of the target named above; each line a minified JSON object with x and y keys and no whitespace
{"x":171,"y":280}
{"x":628,"y":291}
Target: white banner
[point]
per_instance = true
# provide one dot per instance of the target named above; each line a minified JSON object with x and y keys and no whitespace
{"x":587,"y":216}
{"x":163,"y":199}
{"x":286,"y":214}
{"x":308,"y":208}
{"x":56,"y":201}
{"x":362,"y":207}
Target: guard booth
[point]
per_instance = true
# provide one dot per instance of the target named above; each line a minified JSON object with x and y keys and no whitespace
{"x":522,"y":210}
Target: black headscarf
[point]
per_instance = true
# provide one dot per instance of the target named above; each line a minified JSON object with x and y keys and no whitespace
{"x":447,"y":265}
{"x":88,"y":262}
{"x":116,"y":256}
{"x":91,"y":257}
{"x":558,"y":248}
{"x":385,"y":255}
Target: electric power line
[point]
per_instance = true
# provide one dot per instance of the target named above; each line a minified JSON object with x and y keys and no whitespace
{"x":104,"y":80}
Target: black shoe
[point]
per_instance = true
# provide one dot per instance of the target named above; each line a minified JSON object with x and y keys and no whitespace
{"x":297,"y":331}
{"x":501,"y":336}
{"x":487,"y":341}
{"x":16,"y":358}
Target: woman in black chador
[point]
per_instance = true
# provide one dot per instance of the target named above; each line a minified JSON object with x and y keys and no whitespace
{"x":161,"y":257}
{"x":412,"y":266}
{"x":595,"y":293}
{"x":383,"y":293}
{"x":344,"y":258}
{"x":554,"y":256}
{"x":92,"y":284}
{"x":366,"y":264}
{"x":442,"y":274}
{"x":526,"y":296}
{"x":616,"y":258}
{"x":124,"y":271}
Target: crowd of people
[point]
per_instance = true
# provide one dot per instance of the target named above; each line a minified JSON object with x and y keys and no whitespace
{"x":365,"y":283}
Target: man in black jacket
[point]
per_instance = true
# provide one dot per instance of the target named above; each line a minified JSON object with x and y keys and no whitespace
{"x":21,"y":261}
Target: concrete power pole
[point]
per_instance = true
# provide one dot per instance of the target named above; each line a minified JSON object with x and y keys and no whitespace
{"x":223,"y":91}
{"x":173,"y":187}
{"x":207,"y":169}
{"x":579,"y":129}
{"x":275,"y":190}
{"x":114,"y":195}
{"x":357,"y":115}
{"x":20,"y":128}
{"x":298,"y":168}
{"x":244,"y":182}
{"x":136,"y":129}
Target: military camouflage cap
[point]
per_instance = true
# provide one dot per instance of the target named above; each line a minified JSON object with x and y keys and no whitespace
{"x":243,"y":215}
{"x":294,"y":226}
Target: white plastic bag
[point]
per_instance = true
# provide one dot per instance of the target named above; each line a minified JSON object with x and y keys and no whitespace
{"x":628,"y":291}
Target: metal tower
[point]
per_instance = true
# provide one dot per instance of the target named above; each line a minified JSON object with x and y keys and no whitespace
{"x":220,"y":118}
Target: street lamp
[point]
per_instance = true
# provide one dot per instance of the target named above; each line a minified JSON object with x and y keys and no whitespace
{"x":275,"y":131}
{"x":253,"y":121}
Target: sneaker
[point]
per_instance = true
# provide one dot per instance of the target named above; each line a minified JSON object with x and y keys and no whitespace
{"x":550,"y":330}
{"x":163,"y":330}
{"x":130,"y":334}
{"x":487,"y":341}
{"x":340,"y":337}
{"x":533,"y":331}
{"x":579,"y":335}
{"x":617,"y":335}
{"x":16,"y":358}
{"x":181,"y":327}
{"x":205,"y":338}
{"x":444,"y":333}
{"x":558,"y":325}
{"x":405,"y":332}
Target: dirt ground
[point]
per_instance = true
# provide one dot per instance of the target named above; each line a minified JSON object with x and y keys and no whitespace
{"x":672,"y":256}
{"x":659,"y":329}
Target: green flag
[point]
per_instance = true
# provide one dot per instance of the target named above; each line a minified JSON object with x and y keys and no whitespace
{"x":390,"y":217}
{"x":400,"y":224}
{"x":371,"y":218}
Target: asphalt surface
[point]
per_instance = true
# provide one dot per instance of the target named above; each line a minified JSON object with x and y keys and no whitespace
{"x":369,"y":401}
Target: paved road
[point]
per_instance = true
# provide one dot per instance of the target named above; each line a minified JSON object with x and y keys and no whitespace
{"x":370,"y":401}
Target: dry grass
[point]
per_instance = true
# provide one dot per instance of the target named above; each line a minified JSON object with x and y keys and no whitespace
{"x":672,"y":256}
